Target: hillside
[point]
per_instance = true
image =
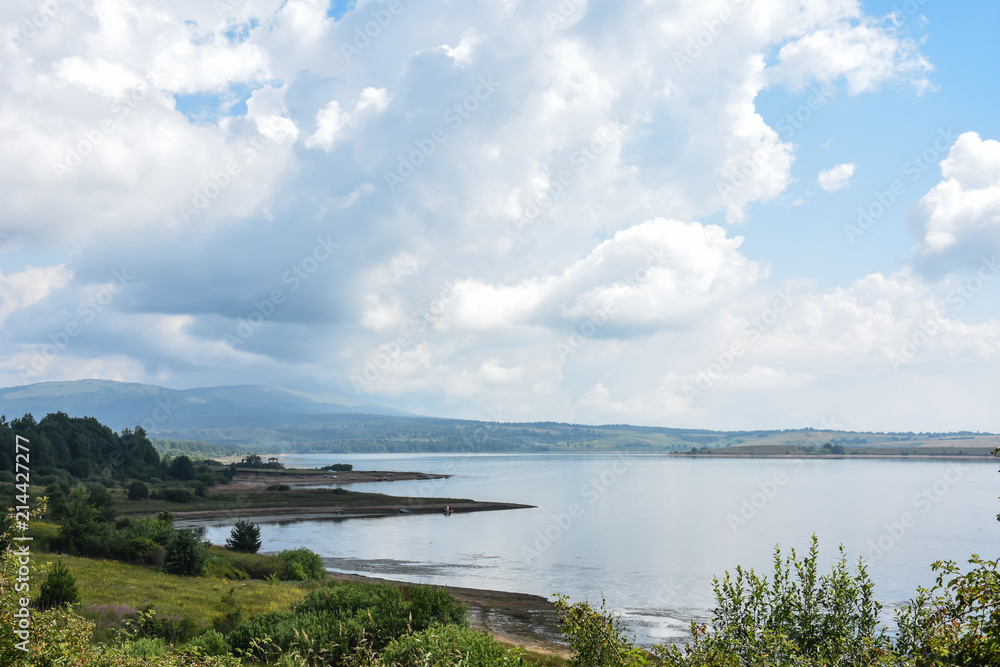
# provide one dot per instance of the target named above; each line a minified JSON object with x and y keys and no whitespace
{"x":244,"y":419}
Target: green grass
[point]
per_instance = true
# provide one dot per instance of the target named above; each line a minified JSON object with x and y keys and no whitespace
{"x":196,"y":598}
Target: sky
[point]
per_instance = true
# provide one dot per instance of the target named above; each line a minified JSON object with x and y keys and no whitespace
{"x":724,"y":214}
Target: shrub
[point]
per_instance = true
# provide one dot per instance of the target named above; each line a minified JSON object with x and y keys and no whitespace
{"x":958,"y":620}
{"x":244,"y":538}
{"x":222,"y":568}
{"x":211,"y":643}
{"x":310,"y":564}
{"x":185,"y":554}
{"x":450,"y":645}
{"x":199,"y":488}
{"x":175,"y":495}
{"x":430,"y":606}
{"x":144,"y":551}
{"x":258,"y":566}
{"x":278,"y":487}
{"x":145,"y":647}
{"x":138,"y":491}
{"x":58,"y":589}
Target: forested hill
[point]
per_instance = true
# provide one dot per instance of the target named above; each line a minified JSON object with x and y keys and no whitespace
{"x":81,"y":446}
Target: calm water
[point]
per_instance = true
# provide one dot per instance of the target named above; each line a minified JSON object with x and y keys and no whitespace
{"x":648,"y":532}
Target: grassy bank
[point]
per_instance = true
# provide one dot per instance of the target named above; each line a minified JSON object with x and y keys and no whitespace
{"x":201,"y":599}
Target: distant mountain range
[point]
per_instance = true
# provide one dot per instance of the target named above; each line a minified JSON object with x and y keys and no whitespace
{"x":158,"y":409}
{"x":244,"y":419}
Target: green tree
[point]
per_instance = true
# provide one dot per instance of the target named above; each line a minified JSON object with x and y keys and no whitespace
{"x":245,"y":537}
{"x":182,"y":468}
{"x":58,"y":589}
{"x":138,"y":491}
{"x":185,"y":554}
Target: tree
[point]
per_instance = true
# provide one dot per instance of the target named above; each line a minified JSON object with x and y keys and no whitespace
{"x":182,"y":468}
{"x":245,"y":537}
{"x":185,"y":554}
{"x":58,"y":589}
{"x":138,"y":491}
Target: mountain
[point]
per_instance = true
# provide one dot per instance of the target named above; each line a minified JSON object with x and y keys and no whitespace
{"x":158,"y":409}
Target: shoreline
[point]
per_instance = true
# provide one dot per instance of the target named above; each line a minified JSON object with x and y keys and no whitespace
{"x":289,"y":514}
{"x":982,"y":458}
{"x":522,"y":619}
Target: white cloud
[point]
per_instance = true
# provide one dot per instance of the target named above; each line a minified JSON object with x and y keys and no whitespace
{"x":959,"y":219}
{"x":836,"y":178}
{"x":26,"y":288}
{"x":333,"y":124}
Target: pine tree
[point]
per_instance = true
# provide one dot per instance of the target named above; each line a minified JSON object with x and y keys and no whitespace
{"x":59,"y":588}
{"x":245,"y":537}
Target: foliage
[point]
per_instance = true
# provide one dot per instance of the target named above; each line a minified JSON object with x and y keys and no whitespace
{"x":78,"y":448}
{"x":257,"y":566}
{"x":138,"y":491}
{"x":58,"y":589}
{"x":211,"y":643}
{"x":182,"y":468}
{"x":301,"y":564}
{"x":185,"y":554}
{"x":957,"y":621}
{"x":445,"y":645}
{"x":596,"y":637}
{"x":429,"y":605}
{"x":338,"y":467}
{"x":222,"y":568}
{"x":338,"y":620}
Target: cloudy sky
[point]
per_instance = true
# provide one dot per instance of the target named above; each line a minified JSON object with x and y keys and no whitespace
{"x":720,"y":214}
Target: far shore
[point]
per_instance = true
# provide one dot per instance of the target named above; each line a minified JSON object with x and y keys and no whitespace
{"x":286,"y":514}
{"x":717,"y":454}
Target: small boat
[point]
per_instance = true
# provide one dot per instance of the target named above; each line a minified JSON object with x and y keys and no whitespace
{"x":448,"y":510}
{"x":403,"y":511}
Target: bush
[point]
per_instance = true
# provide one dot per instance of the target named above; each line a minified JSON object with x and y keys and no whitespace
{"x":175,"y":495}
{"x":310,"y":565}
{"x":798,"y":615}
{"x":450,"y":645}
{"x":211,"y":643}
{"x":430,"y":606}
{"x":58,"y":589}
{"x":144,"y":551}
{"x":222,"y":568}
{"x":244,"y":538}
{"x":185,"y":554}
{"x":957,"y":620}
{"x":258,"y":566}
{"x":138,"y":491}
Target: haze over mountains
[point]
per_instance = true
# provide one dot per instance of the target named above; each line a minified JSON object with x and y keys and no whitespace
{"x":158,"y":409}
{"x":241,"y":419}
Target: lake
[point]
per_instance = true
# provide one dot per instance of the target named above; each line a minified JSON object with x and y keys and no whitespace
{"x":648,"y":532}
